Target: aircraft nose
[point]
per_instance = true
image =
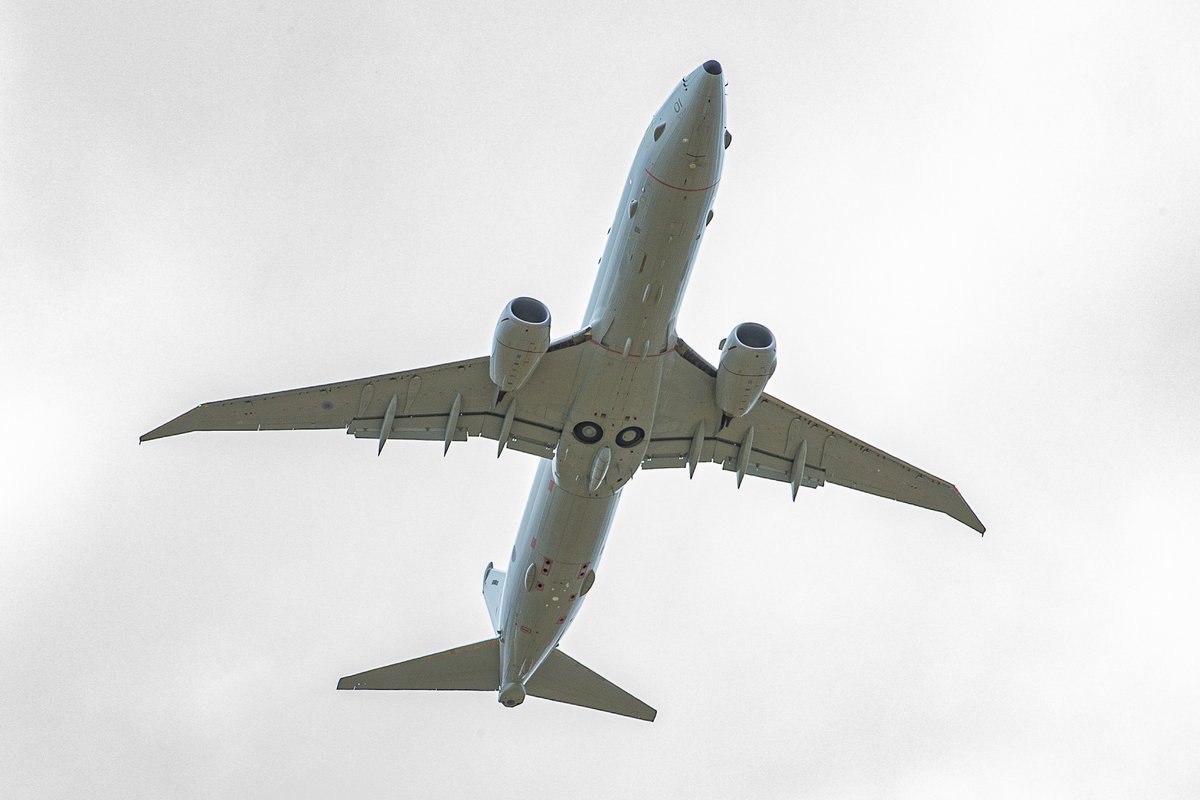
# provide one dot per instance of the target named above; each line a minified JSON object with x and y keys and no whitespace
{"x":708,"y":79}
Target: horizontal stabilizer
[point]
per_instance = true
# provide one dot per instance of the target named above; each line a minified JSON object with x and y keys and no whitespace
{"x":472,"y":667}
{"x":565,"y":680}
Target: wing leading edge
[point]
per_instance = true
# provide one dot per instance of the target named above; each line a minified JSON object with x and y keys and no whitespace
{"x":779,"y":442}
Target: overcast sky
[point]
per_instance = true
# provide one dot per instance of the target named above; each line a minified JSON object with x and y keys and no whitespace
{"x":973,"y":227}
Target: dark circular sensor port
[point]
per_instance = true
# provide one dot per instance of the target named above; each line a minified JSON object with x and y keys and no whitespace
{"x":629,"y":437}
{"x":588,"y":432}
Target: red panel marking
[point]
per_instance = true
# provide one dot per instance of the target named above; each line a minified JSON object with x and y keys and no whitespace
{"x":551,"y":489}
{"x":677,"y":188}
{"x":533,"y":544}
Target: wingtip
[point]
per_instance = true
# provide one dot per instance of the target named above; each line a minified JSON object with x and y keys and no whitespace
{"x":972,"y":522}
{"x":962,"y":511}
{"x":184,"y":423}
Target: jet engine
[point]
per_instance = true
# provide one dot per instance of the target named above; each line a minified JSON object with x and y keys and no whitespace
{"x":522,"y":338}
{"x":747,"y":363}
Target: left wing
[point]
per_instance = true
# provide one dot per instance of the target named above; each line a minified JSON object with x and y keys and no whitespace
{"x":782,"y":443}
{"x":446,"y":402}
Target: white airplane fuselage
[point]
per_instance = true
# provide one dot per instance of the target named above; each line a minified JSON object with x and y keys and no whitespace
{"x":623,"y":393}
{"x":651,"y":247}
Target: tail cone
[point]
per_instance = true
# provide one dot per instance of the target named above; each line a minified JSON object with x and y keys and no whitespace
{"x":512,"y":694}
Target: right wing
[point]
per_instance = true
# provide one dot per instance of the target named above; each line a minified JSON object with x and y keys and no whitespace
{"x":785,"y":444}
{"x":416,"y":404}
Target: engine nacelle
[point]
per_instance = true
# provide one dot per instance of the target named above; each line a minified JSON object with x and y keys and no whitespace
{"x":747,"y":363}
{"x":522,"y":338}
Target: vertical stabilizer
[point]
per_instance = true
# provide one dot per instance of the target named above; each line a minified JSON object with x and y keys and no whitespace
{"x":493,"y":593}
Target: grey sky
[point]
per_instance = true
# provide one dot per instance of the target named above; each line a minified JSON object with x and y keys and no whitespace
{"x":973,"y":228}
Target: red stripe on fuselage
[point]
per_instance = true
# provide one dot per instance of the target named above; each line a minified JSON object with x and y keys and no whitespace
{"x":678,"y":188}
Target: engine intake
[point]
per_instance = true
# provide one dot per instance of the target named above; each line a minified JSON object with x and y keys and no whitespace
{"x":522,"y":338}
{"x":747,"y":363}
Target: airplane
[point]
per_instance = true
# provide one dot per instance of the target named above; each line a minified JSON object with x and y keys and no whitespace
{"x":622,"y":393}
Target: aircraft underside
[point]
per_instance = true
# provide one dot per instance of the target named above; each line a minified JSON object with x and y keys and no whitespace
{"x":623,"y":393}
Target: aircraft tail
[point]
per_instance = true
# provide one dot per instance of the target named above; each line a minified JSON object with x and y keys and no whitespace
{"x":493,"y":593}
{"x":472,"y":667}
{"x":476,"y":667}
{"x":565,"y":680}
